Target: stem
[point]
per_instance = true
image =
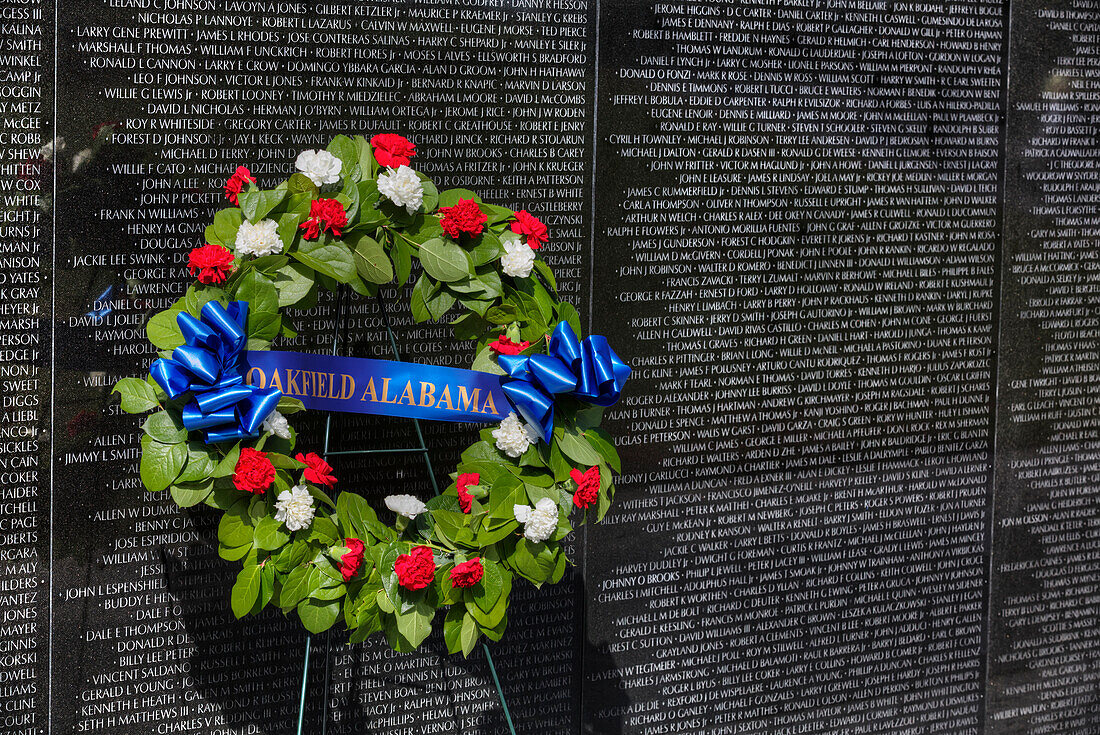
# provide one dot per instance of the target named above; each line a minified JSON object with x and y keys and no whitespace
{"x":401,"y":235}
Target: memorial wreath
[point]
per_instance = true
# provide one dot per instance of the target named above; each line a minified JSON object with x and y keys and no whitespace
{"x":356,"y":214}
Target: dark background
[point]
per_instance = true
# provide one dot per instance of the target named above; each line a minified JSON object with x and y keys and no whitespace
{"x":849,"y":248}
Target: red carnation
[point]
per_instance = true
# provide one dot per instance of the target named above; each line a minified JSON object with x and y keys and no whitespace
{"x":254,"y":472}
{"x":318,"y":471}
{"x":528,"y":224}
{"x":236,"y":182}
{"x":505,"y":346}
{"x":468,"y":573}
{"x":415,"y":570}
{"x":392,"y":150}
{"x":588,"y":486}
{"x":464,"y":480}
{"x":324,"y":214}
{"x":210,"y":263}
{"x":463,"y":217}
{"x":349,"y":562}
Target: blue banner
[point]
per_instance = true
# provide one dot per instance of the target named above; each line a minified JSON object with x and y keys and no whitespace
{"x":363,"y":385}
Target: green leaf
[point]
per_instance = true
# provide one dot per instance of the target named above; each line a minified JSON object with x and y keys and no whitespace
{"x":235,"y":526}
{"x":345,"y":149}
{"x":186,"y":496}
{"x":255,"y":205}
{"x":365,"y":156}
{"x":323,"y":530}
{"x":226,"y":224}
{"x":161,"y":463}
{"x":163,"y":330}
{"x":450,"y":197}
{"x":575,"y":446}
{"x":299,"y":183}
{"x":317,"y":615}
{"x":289,"y":406}
{"x":547,"y":275}
{"x":299,"y":583}
{"x":401,"y":252}
{"x":445,"y":260}
{"x":486,"y":592}
{"x":293,"y":281}
{"x":228,"y":464}
{"x":431,"y":194}
{"x":372,"y":262}
{"x":137,"y":395}
{"x":485,"y":363}
{"x":470,"y":326}
{"x":259,"y":292}
{"x":602,"y":442}
{"x":246,"y":590}
{"x":165,"y":427}
{"x":328,"y":257}
{"x":421,"y":292}
{"x":416,"y":624}
{"x":271,"y":534}
{"x":488,"y":249}
{"x":359,"y":519}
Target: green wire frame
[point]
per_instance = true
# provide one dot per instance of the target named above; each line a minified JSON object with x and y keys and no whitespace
{"x":422,"y":449}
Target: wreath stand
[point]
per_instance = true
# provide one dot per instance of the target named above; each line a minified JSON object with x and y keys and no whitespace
{"x":422,"y":450}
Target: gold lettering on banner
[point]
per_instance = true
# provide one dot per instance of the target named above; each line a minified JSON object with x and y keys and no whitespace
{"x":369,"y":391}
{"x":466,"y":401}
{"x":408,"y":392}
{"x":445,"y":399}
{"x":427,"y":395}
{"x":291,"y":385}
{"x":386,"y":390}
{"x":342,"y":387}
{"x":249,"y":380}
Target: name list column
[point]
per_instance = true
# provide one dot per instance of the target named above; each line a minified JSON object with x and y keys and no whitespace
{"x":27,"y":155}
{"x":798,"y":220}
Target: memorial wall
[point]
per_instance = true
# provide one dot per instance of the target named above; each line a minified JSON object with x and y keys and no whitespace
{"x":851,"y":249}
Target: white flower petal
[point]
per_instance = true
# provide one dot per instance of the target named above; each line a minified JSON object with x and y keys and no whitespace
{"x":513,"y":437}
{"x":277,"y":424}
{"x":320,"y":166}
{"x":405,"y":505}
{"x":518,"y":259}
{"x":402,"y":187}
{"x":258,"y":239}
{"x":294,"y":508}
{"x":523,"y":512}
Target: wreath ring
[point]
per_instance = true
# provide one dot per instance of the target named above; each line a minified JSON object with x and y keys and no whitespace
{"x":356,"y":215}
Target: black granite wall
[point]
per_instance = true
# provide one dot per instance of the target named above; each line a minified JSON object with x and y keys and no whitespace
{"x":852,"y":248}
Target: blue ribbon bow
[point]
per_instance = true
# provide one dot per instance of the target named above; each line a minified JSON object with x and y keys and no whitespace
{"x":588,"y":369}
{"x":208,"y":365}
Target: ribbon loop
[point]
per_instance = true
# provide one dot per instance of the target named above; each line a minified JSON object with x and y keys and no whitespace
{"x":208,"y":366}
{"x":588,"y":369}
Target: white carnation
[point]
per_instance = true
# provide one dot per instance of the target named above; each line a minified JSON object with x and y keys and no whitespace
{"x":540,"y":522}
{"x":402,"y":187}
{"x":295,"y":508}
{"x":258,"y":239}
{"x":277,"y":424}
{"x":513,"y":437}
{"x":518,"y":259}
{"x":405,"y":505}
{"x":81,"y":157}
{"x":320,"y":166}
